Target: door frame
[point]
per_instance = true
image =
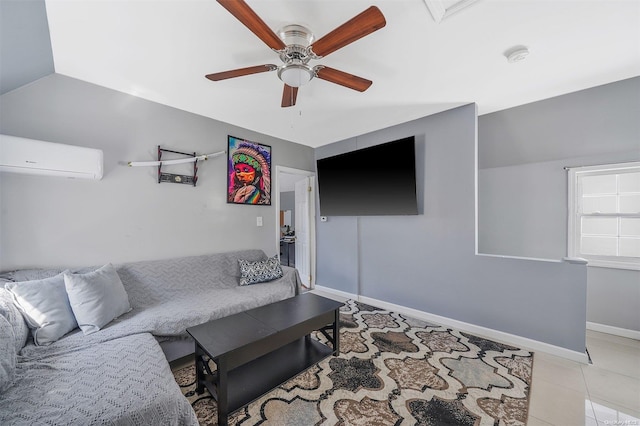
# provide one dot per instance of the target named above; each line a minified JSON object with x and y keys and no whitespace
{"x":312,"y":218}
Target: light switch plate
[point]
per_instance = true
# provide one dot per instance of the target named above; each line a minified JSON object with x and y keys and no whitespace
{"x":259,"y":221}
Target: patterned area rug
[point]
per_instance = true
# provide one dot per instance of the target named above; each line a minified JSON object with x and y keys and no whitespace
{"x":392,"y":370}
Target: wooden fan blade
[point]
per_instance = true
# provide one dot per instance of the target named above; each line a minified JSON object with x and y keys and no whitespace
{"x":344,"y":79}
{"x":289,"y":96}
{"x":251,"y":20}
{"x":357,"y":27}
{"x":240,"y":72}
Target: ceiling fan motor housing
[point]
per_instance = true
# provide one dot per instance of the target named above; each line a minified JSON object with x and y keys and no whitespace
{"x":296,"y":35}
{"x":295,"y":72}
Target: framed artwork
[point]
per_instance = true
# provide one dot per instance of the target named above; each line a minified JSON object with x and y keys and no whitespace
{"x":248,"y":172}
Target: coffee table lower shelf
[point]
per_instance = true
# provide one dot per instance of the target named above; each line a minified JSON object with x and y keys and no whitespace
{"x":249,"y":381}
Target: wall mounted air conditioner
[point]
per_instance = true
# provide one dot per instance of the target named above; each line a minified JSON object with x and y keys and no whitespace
{"x":20,"y":155}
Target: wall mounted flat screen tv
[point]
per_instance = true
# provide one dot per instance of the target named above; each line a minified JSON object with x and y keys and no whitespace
{"x":375,"y":181}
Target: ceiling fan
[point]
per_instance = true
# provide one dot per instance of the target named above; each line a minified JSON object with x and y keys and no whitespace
{"x":296,"y":46}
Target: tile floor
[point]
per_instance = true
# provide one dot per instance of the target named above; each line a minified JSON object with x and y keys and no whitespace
{"x":607,"y":392}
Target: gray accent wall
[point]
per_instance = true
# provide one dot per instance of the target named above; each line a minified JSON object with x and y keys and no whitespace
{"x":588,"y":123}
{"x":522,"y":186}
{"x":126,"y":216}
{"x":428,"y":262}
{"x":25,"y":47}
{"x":288,"y":202}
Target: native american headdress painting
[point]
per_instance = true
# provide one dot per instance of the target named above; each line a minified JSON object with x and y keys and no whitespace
{"x":248,"y":172}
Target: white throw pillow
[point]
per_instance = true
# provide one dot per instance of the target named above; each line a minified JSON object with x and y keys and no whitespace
{"x":45,"y":307}
{"x":96,"y":298}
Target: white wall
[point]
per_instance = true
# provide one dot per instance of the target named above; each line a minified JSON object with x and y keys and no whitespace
{"x":127,"y":215}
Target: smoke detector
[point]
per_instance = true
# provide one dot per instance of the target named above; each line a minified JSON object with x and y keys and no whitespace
{"x":517,"y":54}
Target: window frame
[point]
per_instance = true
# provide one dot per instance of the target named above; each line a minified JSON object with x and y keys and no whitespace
{"x":574,"y":232}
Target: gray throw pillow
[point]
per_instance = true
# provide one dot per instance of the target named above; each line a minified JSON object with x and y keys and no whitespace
{"x":7,"y":355}
{"x":260,"y":271}
{"x":96,"y":298}
{"x":45,"y":307}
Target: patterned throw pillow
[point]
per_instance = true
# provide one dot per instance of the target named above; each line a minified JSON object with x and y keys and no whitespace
{"x":259,"y":272}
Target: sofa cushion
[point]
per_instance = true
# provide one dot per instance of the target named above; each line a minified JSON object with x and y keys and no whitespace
{"x":45,"y":306}
{"x":125,"y":381}
{"x":151,"y":282}
{"x":10,"y":311}
{"x":260,"y":271}
{"x":96,"y":298}
{"x":7,"y":354}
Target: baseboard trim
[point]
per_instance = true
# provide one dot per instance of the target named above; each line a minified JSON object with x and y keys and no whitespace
{"x":616,"y":331}
{"x":332,"y":293}
{"x":500,"y":336}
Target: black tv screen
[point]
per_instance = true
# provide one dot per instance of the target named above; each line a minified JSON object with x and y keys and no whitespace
{"x":375,"y":181}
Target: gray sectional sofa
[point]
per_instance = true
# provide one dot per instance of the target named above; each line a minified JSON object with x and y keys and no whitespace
{"x":120,"y":375}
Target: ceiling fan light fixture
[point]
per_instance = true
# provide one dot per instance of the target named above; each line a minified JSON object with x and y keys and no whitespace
{"x":295,"y":75}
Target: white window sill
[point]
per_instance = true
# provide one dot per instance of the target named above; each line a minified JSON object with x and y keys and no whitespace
{"x":613,"y":265}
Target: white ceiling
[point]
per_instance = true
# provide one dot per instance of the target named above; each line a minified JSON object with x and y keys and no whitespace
{"x":161,"y":51}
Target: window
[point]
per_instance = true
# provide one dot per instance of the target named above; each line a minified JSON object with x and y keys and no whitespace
{"x":604,"y":215}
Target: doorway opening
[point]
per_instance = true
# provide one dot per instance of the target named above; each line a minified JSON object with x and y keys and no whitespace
{"x":295,"y":202}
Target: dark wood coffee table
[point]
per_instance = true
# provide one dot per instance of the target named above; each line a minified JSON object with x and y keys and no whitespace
{"x":259,"y":349}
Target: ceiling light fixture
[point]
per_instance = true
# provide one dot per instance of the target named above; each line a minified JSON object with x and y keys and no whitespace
{"x":295,"y":74}
{"x":517,"y":54}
